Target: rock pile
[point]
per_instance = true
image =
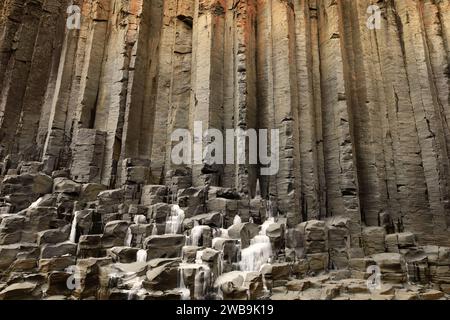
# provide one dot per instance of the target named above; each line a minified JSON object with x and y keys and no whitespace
{"x":80,"y":241}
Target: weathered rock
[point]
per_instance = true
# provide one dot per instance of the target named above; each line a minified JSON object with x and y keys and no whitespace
{"x":57,"y":284}
{"x":159,"y":212}
{"x":135,"y":171}
{"x":9,"y":253}
{"x":153,"y":194}
{"x":192,"y":201}
{"x":432,"y":295}
{"x":360,"y":177}
{"x":90,"y":191}
{"x":243,"y":231}
{"x":88,"y":274}
{"x":189,"y":253}
{"x":228,"y":208}
{"x":318,"y":262}
{"x":275,"y":232}
{"x":389,"y":262}
{"x":64,"y":185}
{"x":162,"y":276}
{"x":313,"y":236}
{"x":91,"y":246}
{"x":123,"y":254}
{"x":165,"y":246}
{"x":231,"y":285}
{"x":213,"y":219}
{"x":58,"y":250}
{"x":115,"y":234}
{"x":53,"y":236}
{"x":56,"y":264}
{"x":11,"y":229}
{"x":19,"y":291}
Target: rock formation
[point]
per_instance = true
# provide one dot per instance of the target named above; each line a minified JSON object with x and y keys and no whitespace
{"x":92,"y":205}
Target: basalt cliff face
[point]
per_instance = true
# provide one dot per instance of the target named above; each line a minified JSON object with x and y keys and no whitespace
{"x":93,"y":206}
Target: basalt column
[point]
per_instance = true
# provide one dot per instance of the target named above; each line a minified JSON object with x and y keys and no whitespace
{"x":278,"y":99}
{"x":31,"y":38}
{"x":207,"y":84}
{"x":140,"y":129}
{"x":72,"y":93}
{"x":240,"y":89}
{"x":362,"y":110}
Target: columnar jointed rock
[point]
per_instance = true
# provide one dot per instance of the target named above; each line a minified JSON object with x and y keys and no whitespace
{"x":90,"y":191}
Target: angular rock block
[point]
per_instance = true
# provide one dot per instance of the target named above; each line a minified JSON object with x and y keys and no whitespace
{"x":30,"y":167}
{"x":213,"y":220}
{"x":317,"y":262}
{"x":231,"y":285}
{"x":53,"y":236}
{"x":140,"y":232}
{"x":392,"y":266}
{"x":20,"y":191}
{"x":165,"y":246}
{"x":20,"y":291}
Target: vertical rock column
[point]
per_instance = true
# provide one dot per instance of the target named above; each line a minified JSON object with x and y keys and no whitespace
{"x":427,"y":112}
{"x":278,"y":100}
{"x":339,"y":160}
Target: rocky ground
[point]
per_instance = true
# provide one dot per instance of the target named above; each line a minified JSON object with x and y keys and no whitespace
{"x":92,"y":205}
{"x":64,"y":240}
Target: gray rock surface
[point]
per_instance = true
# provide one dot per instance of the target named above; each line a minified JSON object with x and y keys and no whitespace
{"x":93,"y":207}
